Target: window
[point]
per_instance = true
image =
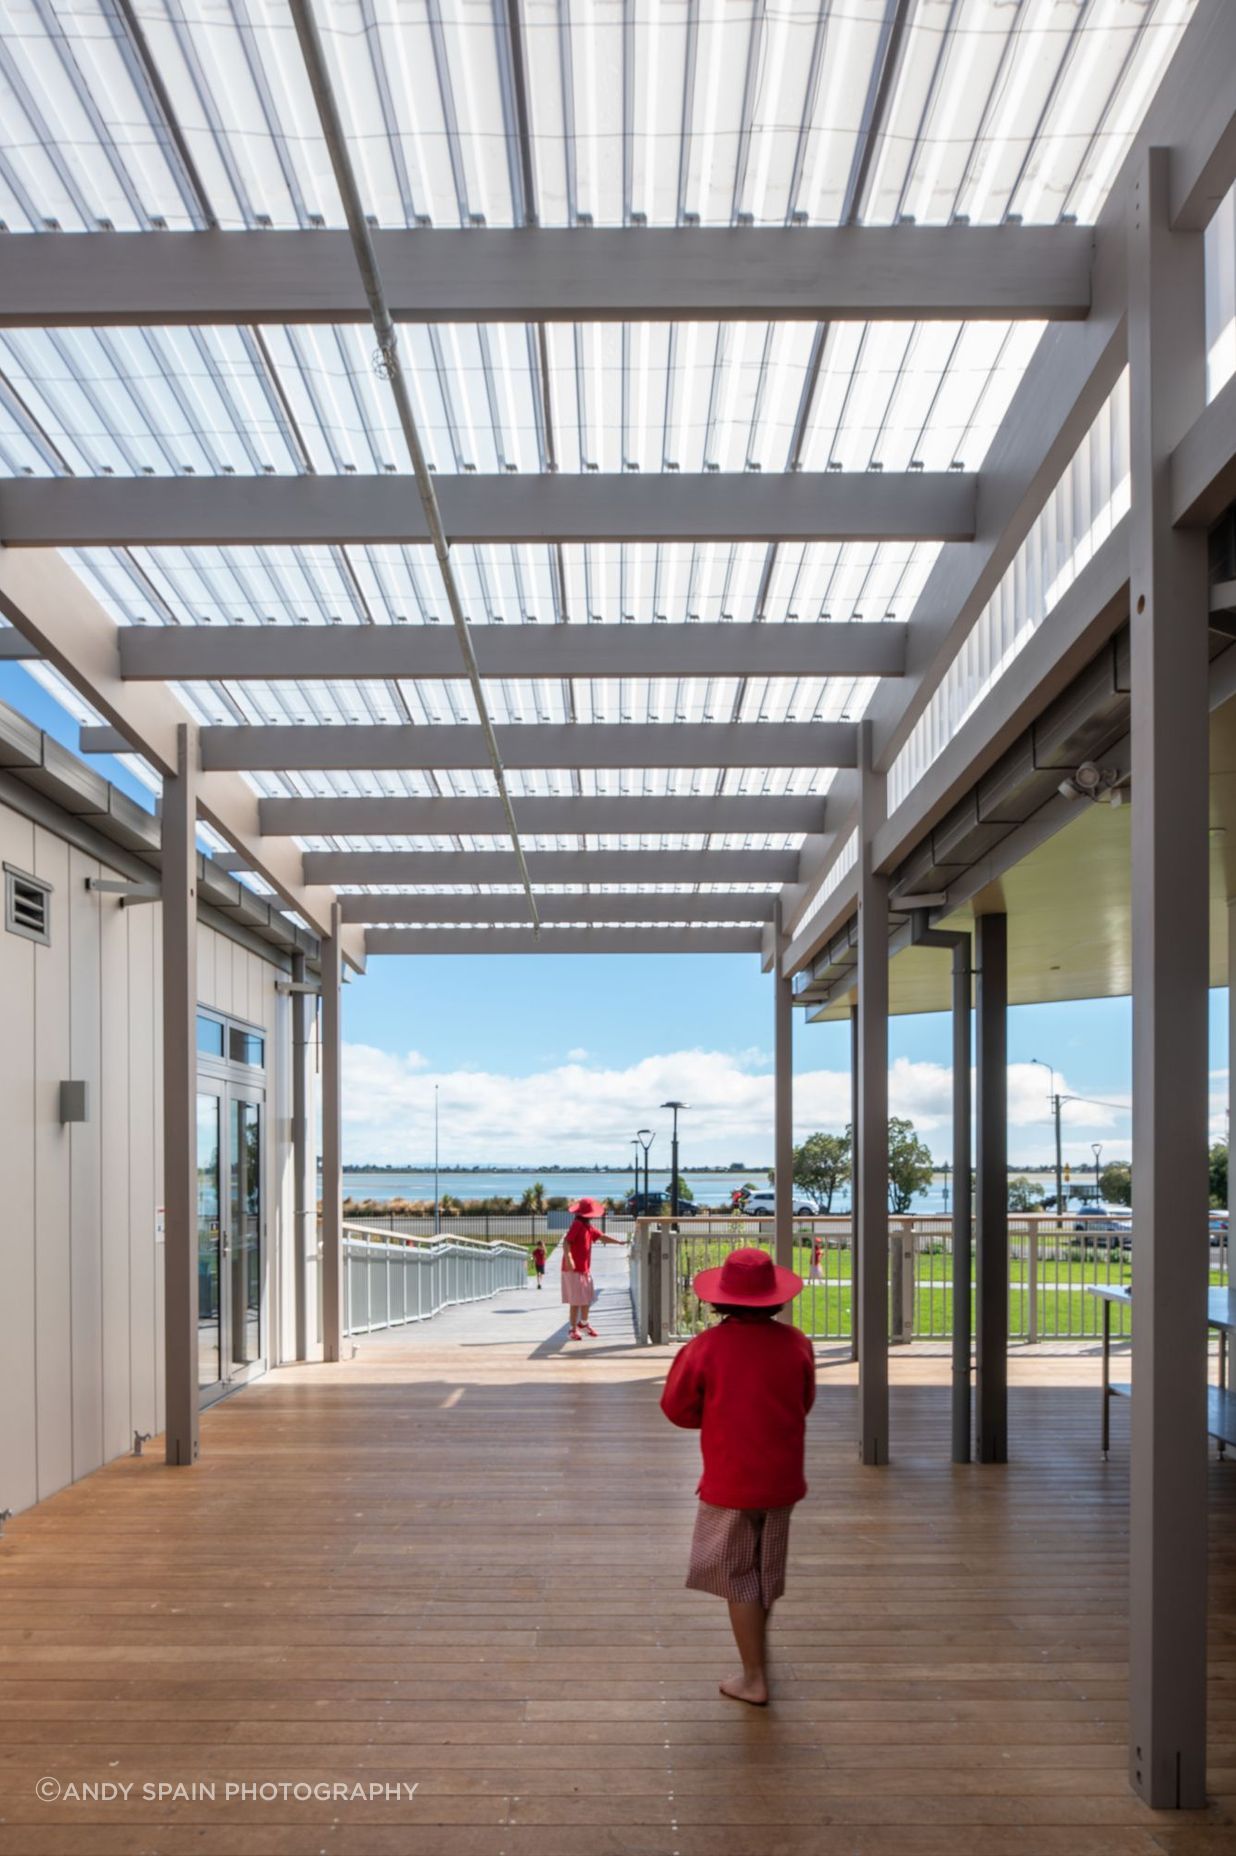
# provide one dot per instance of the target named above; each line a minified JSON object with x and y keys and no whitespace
{"x":209,"y":1036}
{"x":245,"y":1046}
{"x":27,"y":905}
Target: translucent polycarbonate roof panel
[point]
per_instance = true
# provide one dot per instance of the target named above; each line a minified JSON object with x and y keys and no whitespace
{"x":1220,"y":247}
{"x":558,"y":841}
{"x":649,"y":782}
{"x":689,"y":396}
{"x":674,"y":112}
{"x":151,"y":402}
{"x":815,"y":581}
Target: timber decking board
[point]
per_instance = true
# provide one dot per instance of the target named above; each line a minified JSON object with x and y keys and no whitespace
{"x":461,"y":1566}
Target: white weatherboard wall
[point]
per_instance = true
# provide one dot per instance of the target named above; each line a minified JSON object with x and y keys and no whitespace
{"x":81,"y":1271}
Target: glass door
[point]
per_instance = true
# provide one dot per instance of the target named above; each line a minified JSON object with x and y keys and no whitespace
{"x":230,"y":1234}
{"x":244,"y":1234}
{"x":209,"y":1237}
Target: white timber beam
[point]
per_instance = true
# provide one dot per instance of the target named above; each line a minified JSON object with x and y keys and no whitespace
{"x":136,"y":512}
{"x":384,"y":867}
{"x":381,"y":746}
{"x":306,"y":653}
{"x":580,"y":910}
{"x":685,"y":939}
{"x":44,"y":599}
{"x":383,"y":815}
{"x":818,"y":274}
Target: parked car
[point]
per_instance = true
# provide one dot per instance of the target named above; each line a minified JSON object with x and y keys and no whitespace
{"x":655,"y":1205}
{"x":1219,"y":1228}
{"x":1109,"y":1225}
{"x":764,"y":1205}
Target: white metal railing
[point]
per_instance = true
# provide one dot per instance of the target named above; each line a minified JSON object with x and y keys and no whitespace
{"x":1052,"y":1263}
{"x":391,"y":1279}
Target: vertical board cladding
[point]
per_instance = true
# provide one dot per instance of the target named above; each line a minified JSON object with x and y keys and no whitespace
{"x":53,"y":1203}
{"x":18,"y":1452}
{"x":81,"y":1314}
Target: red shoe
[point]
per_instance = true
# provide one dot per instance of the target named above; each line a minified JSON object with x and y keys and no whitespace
{"x":575,"y":1334}
{"x":589,"y":1329}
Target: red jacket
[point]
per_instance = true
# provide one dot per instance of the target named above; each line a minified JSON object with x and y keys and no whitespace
{"x":578,"y":1245}
{"x":747,"y":1387}
{"x":538,"y":1256}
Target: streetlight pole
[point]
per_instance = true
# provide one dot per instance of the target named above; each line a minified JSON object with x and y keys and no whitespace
{"x":645,"y":1137}
{"x":1096,"y":1148}
{"x":1056,"y":1101}
{"x":635,"y":1142}
{"x":675,"y":1106}
{"x":944,"y":1170}
{"x":436,"y":1194}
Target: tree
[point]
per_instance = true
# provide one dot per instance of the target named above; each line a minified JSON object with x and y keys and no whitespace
{"x":685,"y":1194}
{"x":1024,"y":1195}
{"x":1218,"y":1176}
{"x":533,"y":1199}
{"x":822,"y":1165}
{"x":1116,"y":1183}
{"x":910,"y":1165}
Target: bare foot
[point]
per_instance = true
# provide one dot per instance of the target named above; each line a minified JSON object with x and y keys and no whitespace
{"x":741,"y":1688}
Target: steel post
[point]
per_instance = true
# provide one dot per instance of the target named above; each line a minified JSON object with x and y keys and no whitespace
{"x":1170,"y":934}
{"x":871,"y":1175}
{"x":783,"y":1109}
{"x":332,"y":1142}
{"x":991,"y":1127}
{"x":180,"y":1235}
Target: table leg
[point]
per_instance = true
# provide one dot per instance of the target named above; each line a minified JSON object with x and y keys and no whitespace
{"x":1222,"y":1377}
{"x":1107,"y":1355}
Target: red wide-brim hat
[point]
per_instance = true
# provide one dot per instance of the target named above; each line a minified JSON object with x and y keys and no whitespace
{"x":588,"y":1208}
{"x":748,"y":1279}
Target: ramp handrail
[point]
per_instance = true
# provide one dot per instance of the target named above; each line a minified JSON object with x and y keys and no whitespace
{"x":391,"y":1279}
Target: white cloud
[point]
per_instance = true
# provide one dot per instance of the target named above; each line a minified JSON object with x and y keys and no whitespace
{"x":576,"y":1113}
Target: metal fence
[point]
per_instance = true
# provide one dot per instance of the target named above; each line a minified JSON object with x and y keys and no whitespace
{"x":392,"y":1279}
{"x":520,"y":1227}
{"x":1053,"y":1264}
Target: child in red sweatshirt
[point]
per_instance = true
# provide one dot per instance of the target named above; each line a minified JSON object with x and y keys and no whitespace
{"x":746,"y":1386}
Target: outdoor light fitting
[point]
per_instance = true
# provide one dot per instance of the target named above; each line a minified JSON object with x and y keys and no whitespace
{"x":1093,"y":782}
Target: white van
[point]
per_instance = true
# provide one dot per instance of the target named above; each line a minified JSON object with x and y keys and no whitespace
{"x":764,"y":1204}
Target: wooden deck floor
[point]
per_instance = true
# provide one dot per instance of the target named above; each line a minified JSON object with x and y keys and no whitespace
{"x":461,"y":1568}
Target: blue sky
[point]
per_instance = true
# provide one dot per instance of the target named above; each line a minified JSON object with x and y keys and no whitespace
{"x":543,"y":1056}
{"x":568,"y":1055}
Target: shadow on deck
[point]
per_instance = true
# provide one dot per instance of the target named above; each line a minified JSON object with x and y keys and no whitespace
{"x":460,"y":1568}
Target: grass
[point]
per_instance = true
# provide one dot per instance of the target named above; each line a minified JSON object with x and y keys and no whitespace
{"x":1065,"y":1308}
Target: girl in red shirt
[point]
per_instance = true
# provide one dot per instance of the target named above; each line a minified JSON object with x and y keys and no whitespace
{"x":538,"y":1264}
{"x":578,"y":1289}
{"x":746,"y":1385}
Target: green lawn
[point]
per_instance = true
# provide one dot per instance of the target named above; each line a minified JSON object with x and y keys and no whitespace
{"x":1065,"y":1309}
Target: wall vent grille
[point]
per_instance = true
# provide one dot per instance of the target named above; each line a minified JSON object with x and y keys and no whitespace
{"x":27,"y":905}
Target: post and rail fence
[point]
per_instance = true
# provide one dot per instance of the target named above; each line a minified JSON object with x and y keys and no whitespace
{"x":1053,"y":1262}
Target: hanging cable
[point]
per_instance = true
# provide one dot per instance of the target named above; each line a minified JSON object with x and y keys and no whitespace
{"x":387,"y":362}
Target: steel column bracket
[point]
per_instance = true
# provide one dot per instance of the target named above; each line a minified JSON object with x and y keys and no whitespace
{"x":130,"y":894}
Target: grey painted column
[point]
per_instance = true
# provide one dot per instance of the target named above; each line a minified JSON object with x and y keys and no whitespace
{"x":992,"y":1191}
{"x":962,"y":1204}
{"x":871,"y":1175}
{"x":1170,"y":917}
{"x":179,"y":949}
{"x":783,"y":1108}
{"x":855,"y":1284}
{"x":332,"y":1142}
{"x":304,"y":1195}
{"x":1231,"y":1042}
